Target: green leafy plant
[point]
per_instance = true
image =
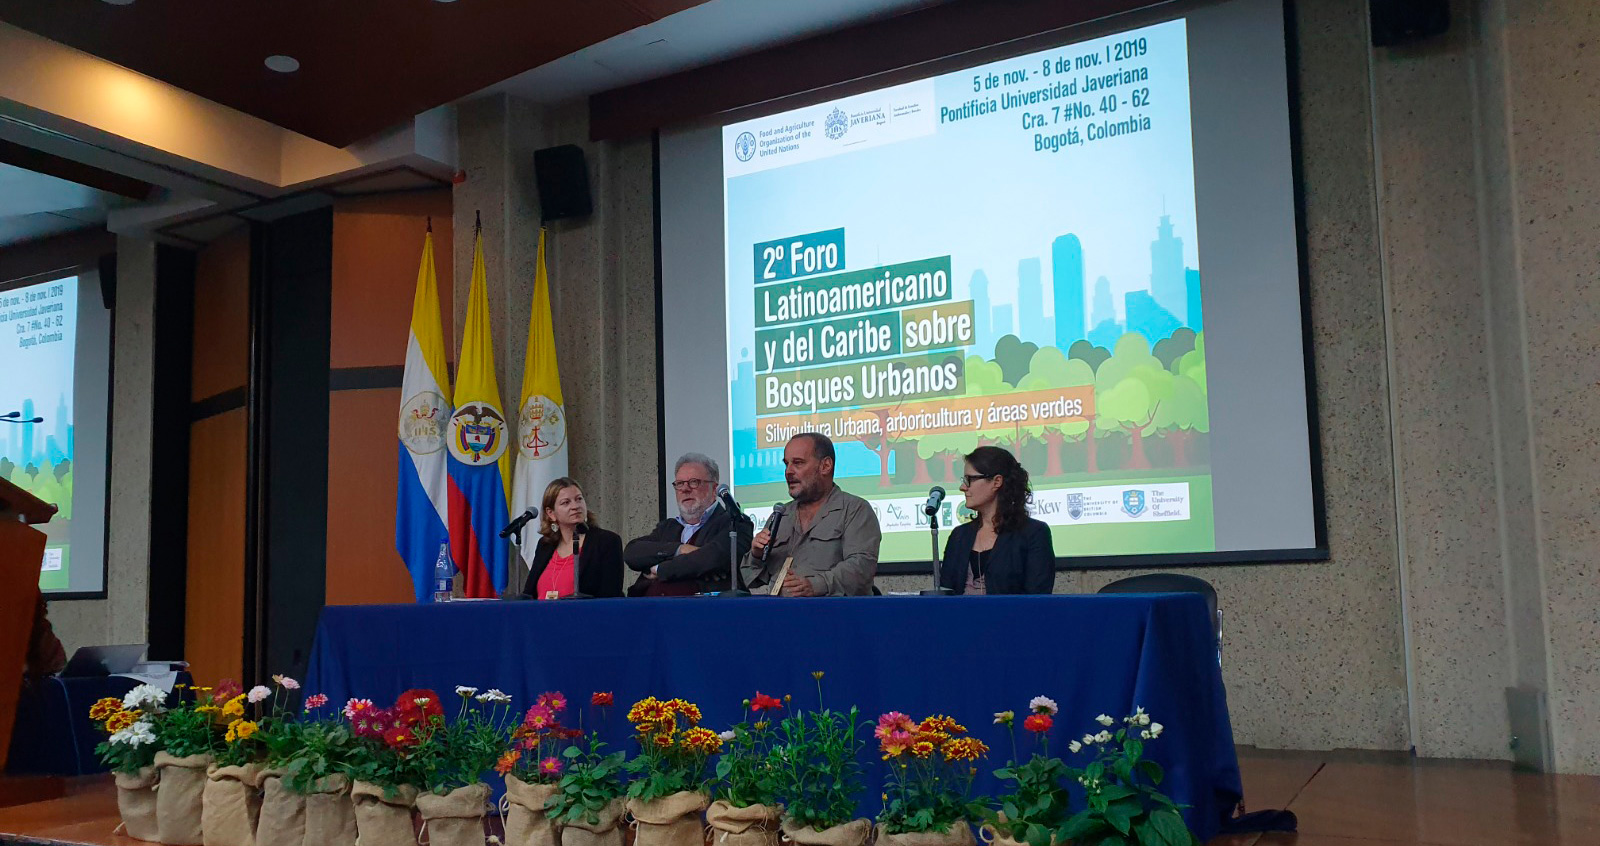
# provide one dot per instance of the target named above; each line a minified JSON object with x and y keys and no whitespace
{"x":745,"y":774}
{"x":1122,"y":804}
{"x":591,"y":780}
{"x":815,"y":758}
{"x":191,"y":728}
{"x":930,"y":773}
{"x":537,"y":742}
{"x":673,"y":748}
{"x":1039,"y":802}
{"x":455,"y":754}
{"x":129,"y":723}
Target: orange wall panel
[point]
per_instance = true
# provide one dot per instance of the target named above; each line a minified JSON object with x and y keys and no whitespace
{"x":377,"y":247}
{"x":222,"y":315}
{"x":363,"y":465}
{"x":214,"y":622}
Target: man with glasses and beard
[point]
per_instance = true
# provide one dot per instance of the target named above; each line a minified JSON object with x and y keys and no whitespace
{"x":831,"y":536}
{"x":688,"y":554}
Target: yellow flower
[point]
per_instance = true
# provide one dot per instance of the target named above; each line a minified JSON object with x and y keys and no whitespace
{"x":922,"y":749}
{"x":105,"y":708}
{"x":965,"y":749}
{"x":243,"y":729}
{"x":663,"y":741}
{"x":816,"y":674}
{"x":234,"y":708}
{"x":232,"y":735}
{"x":121,"y":720}
{"x":208,"y":709}
{"x":702,"y":740}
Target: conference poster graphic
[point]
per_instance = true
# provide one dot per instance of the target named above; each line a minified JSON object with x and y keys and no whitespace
{"x":40,"y":326}
{"x":1002,"y":255}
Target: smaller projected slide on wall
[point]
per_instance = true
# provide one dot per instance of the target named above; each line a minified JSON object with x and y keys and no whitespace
{"x":1006,"y":254}
{"x":38,"y":345}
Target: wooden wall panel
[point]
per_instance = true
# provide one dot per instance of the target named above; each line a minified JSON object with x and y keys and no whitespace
{"x":214,"y":621}
{"x":363,"y":566}
{"x":222,"y":316}
{"x":377,"y":246}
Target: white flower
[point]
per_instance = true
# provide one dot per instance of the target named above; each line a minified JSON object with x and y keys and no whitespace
{"x":1103,"y":737}
{"x":1156,"y":729}
{"x":1088,"y":740}
{"x":258,"y":694}
{"x":463,"y":690}
{"x":285,"y":682}
{"x":1043,"y":705}
{"x":1144,"y":735}
{"x":356,"y":706}
{"x":494,"y":695}
{"x":1074,"y":747}
{"x":1144,"y":719}
{"x":140,"y":733}
{"x":726,"y":735}
{"x":145,"y":697}
{"x":1104,"y":720}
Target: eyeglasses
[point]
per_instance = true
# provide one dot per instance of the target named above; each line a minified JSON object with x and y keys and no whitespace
{"x":689,"y":484}
{"x":967,"y":481}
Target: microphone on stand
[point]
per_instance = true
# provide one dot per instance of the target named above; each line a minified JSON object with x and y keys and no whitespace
{"x":935,"y":496}
{"x":725,"y":497}
{"x":735,"y":514}
{"x":578,"y":532}
{"x":931,"y":508}
{"x":515,"y":526}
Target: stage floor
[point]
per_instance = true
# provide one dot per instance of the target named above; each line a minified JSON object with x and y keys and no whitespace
{"x":1341,"y":799}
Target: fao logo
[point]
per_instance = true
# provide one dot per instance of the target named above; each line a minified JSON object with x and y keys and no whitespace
{"x":744,"y":146}
{"x":837,"y":124}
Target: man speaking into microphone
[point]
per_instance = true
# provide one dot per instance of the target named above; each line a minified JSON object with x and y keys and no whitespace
{"x":828,"y":538}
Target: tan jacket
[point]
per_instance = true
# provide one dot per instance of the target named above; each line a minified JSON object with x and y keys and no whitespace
{"x":838,"y":554}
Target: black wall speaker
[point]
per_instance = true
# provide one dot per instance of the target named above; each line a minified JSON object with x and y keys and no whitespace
{"x":108,"y":280}
{"x":1400,"y":22}
{"x":563,"y":181}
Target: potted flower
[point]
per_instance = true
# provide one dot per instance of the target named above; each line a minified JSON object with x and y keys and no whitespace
{"x":668,"y":790}
{"x":454,"y":756}
{"x":129,"y":750}
{"x":930,"y":776}
{"x":588,"y":803}
{"x":188,"y":737}
{"x":1121,"y":802}
{"x":383,"y":775}
{"x":819,"y":776}
{"x":305,"y":786}
{"x":532,"y":767}
{"x":1038,"y":803}
{"x":746,"y":809}
{"x":231,"y":802}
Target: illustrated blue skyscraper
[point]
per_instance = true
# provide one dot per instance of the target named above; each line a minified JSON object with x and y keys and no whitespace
{"x":982,"y":335}
{"x":1167,"y":282}
{"x":1066,"y":275}
{"x":63,"y":418}
{"x":1148,"y":318}
{"x":27,"y":435}
{"x":1191,"y":281}
{"x":1104,"y":308}
{"x":1002,"y":322}
{"x":1030,"y":303}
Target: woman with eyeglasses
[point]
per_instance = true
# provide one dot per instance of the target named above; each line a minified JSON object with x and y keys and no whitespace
{"x":1002,"y":549}
{"x":599,"y":553}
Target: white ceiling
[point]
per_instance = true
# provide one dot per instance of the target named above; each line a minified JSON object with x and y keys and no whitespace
{"x":33,"y":205}
{"x":703,"y":35}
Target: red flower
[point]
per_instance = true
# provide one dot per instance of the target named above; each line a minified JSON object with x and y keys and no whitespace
{"x":554,"y":700}
{"x":225,"y":690}
{"x":417,"y":706}
{"x":763,"y":702}
{"x":315,"y":701}
{"x":601,"y":700}
{"x":399,"y":737}
{"x":1038,"y":723}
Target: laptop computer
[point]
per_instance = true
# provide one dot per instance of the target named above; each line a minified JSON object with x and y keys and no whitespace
{"x":105,"y":660}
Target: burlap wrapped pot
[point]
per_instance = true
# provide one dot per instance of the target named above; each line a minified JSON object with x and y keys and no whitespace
{"x":960,"y":834}
{"x":383,"y":816}
{"x":456,"y":818}
{"x":527,"y":824}
{"x":606,"y":832}
{"x":330,"y":816}
{"x":136,"y":802}
{"x":672,"y":820}
{"x":752,"y":825}
{"x":180,"y":798}
{"x":282,"y":821}
{"x":853,"y":833}
{"x":230,"y":805}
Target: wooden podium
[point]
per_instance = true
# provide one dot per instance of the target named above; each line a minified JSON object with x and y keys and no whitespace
{"x":21,"y":554}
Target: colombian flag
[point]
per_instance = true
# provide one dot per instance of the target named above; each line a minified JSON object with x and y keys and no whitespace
{"x":421,"y":511}
{"x":541,"y":415}
{"x":480,"y":461}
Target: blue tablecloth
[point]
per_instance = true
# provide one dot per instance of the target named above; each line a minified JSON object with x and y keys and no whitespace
{"x":963,"y":656}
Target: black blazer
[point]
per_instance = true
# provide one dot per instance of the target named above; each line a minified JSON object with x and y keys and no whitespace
{"x":599,"y":560}
{"x":701,"y":571}
{"x":1022,"y":561}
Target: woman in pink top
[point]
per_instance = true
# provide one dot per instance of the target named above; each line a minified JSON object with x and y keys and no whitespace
{"x":599,"y":552}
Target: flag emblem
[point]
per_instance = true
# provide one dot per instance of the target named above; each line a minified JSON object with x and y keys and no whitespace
{"x":477,"y":434}
{"x":543,"y":427}
{"x":422,"y":421}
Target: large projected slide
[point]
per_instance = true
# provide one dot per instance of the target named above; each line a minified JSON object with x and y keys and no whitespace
{"x":62,"y":459}
{"x":1007,"y":255}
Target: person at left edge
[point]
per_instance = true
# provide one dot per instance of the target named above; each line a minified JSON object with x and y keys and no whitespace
{"x":688,"y":554}
{"x":599,"y":558}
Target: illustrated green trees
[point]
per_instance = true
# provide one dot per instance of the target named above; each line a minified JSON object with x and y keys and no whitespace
{"x":1050,"y":369}
{"x":1129,"y":388}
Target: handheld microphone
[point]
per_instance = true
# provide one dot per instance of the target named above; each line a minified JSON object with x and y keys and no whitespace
{"x":935,"y":496}
{"x":772,"y":526}
{"x":516,"y":525}
{"x":725,"y":496}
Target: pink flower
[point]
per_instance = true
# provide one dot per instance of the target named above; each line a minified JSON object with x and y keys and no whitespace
{"x":285,"y":682}
{"x":538,"y":718}
{"x":892,"y":722}
{"x":550,"y":766}
{"x":356,"y":706}
{"x":554,"y":700}
{"x":258,"y":694}
{"x":315,"y":701}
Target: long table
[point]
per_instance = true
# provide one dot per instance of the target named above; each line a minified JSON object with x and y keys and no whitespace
{"x":968,"y":657}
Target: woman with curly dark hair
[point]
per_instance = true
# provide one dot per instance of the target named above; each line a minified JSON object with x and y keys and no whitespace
{"x":1002,"y":549}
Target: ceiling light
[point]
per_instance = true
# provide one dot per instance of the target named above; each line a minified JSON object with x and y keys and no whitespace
{"x":283,"y":64}
{"x":118,"y":2}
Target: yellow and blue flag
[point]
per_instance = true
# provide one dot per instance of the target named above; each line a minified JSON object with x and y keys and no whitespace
{"x":421,"y":521}
{"x":541,"y":412}
{"x":480,"y":461}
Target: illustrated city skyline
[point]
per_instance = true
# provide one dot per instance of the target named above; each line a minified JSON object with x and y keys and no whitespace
{"x":23,"y":444}
{"x":1171,"y":302}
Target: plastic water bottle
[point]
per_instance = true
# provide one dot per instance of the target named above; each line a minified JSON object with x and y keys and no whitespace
{"x":443,"y":576}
